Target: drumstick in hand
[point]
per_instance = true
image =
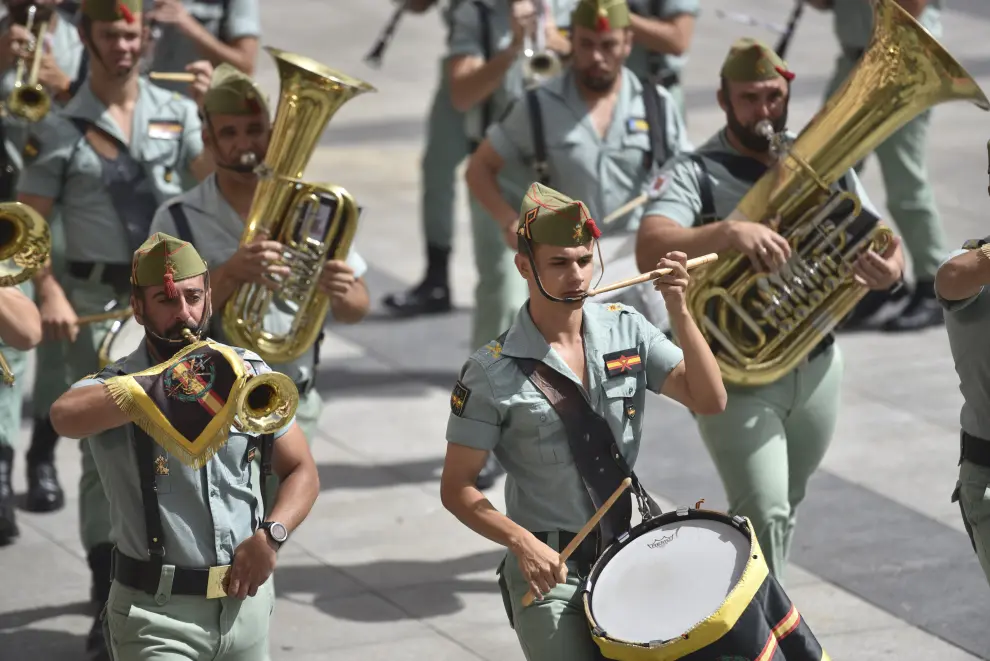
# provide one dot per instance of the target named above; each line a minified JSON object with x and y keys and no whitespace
{"x":588,"y":527}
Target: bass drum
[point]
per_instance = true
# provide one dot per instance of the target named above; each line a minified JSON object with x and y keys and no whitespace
{"x":692,"y":584}
{"x":124,"y":338}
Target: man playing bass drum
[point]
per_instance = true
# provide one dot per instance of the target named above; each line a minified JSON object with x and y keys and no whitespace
{"x":605,"y":355}
{"x":770,"y":439}
{"x":211,"y":216}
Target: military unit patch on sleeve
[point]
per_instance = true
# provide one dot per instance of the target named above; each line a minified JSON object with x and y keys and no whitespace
{"x":623,"y":362}
{"x":459,"y":398}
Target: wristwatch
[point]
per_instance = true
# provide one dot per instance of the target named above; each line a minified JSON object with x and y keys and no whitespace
{"x":276,"y":531}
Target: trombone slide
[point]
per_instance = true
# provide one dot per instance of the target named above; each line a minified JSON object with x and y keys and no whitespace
{"x":653,"y":275}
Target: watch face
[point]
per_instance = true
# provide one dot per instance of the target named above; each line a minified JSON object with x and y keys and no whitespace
{"x":279,"y":533}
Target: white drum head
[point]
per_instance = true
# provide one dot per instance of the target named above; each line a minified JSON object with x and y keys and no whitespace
{"x":664,"y":582}
{"x":128,"y":339}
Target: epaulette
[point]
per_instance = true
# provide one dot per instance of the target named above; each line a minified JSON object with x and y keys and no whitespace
{"x":490,"y":353}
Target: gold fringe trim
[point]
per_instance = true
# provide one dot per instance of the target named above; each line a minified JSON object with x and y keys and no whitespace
{"x":134,"y":402}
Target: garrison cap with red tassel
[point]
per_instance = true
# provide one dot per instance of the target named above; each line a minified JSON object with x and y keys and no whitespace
{"x":112,"y":10}
{"x":232,"y":92}
{"x":601,"y":15}
{"x":752,"y":61}
{"x":547,"y":216}
{"x":165,"y":260}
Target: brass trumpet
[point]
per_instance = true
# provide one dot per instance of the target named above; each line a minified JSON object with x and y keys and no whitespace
{"x":29,"y":100}
{"x":539,"y":62}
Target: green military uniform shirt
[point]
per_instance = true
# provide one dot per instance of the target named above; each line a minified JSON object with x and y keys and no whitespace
{"x":853,"y":21}
{"x":206,"y":513}
{"x":680,"y":199}
{"x":174,"y":50}
{"x":67,"y":49}
{"x":467,"y":38}
{"x":642,"y":61}
{"x":496,"y":408}
{"x":216,"y":233}
{"x":967,"y":322}
{"x":166,"y":138}
{"x":604,"y":173}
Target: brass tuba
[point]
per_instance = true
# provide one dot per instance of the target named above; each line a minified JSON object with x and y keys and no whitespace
{"x":25,"y":242}
{"x":761,"y":326}
{"x":29,"y":100}
{"x":316,"y":222}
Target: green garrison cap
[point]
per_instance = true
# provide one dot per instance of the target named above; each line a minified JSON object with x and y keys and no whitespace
{"x":232,"y":92}
{"x":111,"y":10}
{"x":547,"y":216}
{"x":165,"y":260}
{"x":601,"y":15}
{"x":751,"y":61}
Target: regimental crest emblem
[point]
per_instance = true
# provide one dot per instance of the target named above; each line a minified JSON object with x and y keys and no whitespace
{"x":190,"y":380}
{"x":459,"y":398}
{"x":161,"y":465}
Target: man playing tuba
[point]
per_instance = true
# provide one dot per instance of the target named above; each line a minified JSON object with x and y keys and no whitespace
{"x":771,"y":438}
{"x":186,"y":509}
{"x":211,"y":216}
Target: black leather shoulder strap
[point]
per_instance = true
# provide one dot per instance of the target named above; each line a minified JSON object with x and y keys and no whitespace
{"x":540,"y":164}
{"x":593,"y":447}
{"x":181,"y":220}
{"x":705,"y":190}
{"x":485,"y":21}
{"x":656,"y":118}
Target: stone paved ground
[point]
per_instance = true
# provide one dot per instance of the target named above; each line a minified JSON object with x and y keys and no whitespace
{"x":882,"y":568}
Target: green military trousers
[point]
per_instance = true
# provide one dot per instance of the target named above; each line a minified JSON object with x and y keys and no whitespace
{"x":973,"y":494}
{"x":501,"y":290}
{"x":554,"y":628}
{"x":446,"y":148}
{"x":12,"y":397}
{"x":91,"y":297}
{"x":910,"y":198}
{"x":768,"y":442}
{"x":165,"y":627}
{"x":52,"y":376}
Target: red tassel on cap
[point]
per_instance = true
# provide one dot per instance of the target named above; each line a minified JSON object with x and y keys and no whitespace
{"x":603,"y":24}
{"x":788,"y":75}
{"x":593,"y":228}
{"x":125,"y":12}
{"x":170,"y":289}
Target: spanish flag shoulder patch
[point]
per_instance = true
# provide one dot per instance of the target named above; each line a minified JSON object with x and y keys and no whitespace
{"x":623,"y":362}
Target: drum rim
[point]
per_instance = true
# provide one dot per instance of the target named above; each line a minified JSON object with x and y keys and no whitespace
{"x":740,"y":523}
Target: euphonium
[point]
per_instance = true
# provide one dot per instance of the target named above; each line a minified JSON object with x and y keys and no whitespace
{"x":761,"y":326}
{"x":28,"y":99}
{"x":316,"y":222}
{"x":25,"y":242}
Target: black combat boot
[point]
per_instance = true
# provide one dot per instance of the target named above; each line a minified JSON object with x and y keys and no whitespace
{"x":100,"y":559}
{"x":8,"y":516}
{"x":490,"y":473}
{"x":432,"y":295}
{"x":923,"y":311}
{"x":44,"y":492}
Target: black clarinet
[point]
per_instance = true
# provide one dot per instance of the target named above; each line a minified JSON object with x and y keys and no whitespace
{"x":374,"y":58}
{"x":785,"y":39}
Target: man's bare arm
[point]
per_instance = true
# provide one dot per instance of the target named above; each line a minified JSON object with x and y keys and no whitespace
{"x":482,"y":180}
{"x":659,"y":235}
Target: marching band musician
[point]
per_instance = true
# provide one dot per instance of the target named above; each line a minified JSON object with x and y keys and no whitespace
{"x":185,"y":517}
{"x":770,"y":439}
{"x":592,"y":132}
{"x":903,"y":163}
{"x":212,"y":217}
{"x":961,"y":282}
{"x":446,"y":148}
{"x":117,"y":151}
{"x":192,"y":31}
{"x":20,"y":331}
{"x":662,"y":32}
{"x":605,"y":356}
{"x":61,"y":71}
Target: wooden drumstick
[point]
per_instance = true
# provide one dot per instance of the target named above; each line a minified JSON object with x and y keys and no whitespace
{"x":653,"y":275}
{"x":175,"y":77}
{"x":585,"y":531}
{"x":103,"y":316}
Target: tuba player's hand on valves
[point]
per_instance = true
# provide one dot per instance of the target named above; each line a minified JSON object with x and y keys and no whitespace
{"x":880,"y":272}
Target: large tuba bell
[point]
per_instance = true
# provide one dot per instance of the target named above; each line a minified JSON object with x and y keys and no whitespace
{"x":29,"y":100}
{"x":762,"y":325}
{"x":25,"y":242}
{"x":316,"y":222}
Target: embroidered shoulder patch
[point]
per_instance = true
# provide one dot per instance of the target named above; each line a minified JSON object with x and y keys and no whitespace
{"x":458,"y":398}
{"x":637,"y":125}
{"x":623,"y":362}
{"x":973,"y":244}
{"x":613,"y":307}
{"x":31,"y":148}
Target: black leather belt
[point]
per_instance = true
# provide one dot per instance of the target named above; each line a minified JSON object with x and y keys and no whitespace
{"x":304,"y":387}
{"x":117,"y":276}
{"x":145,"y":576}
{"x":820,"y":348}
{"x":974,"y":450}
{"x":585,"y":554}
